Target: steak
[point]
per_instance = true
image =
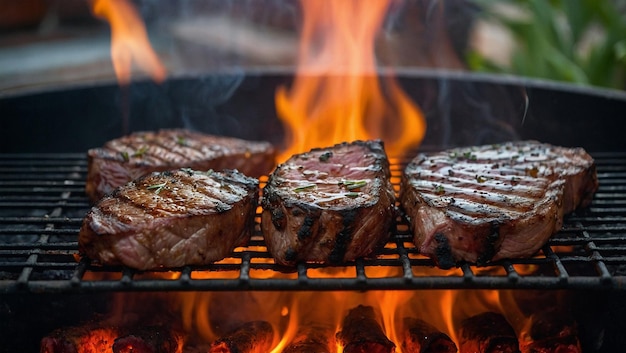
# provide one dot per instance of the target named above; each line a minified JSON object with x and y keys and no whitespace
{"x":171,"y":219}
{"x":127,"y":158}
{"x":491,"y":202}
{"x":329,"y":205}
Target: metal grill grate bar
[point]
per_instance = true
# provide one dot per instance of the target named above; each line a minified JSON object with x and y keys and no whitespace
{"x":42,"y":204}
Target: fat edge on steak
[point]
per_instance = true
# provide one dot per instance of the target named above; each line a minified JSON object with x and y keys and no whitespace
{"x":486,"y":203}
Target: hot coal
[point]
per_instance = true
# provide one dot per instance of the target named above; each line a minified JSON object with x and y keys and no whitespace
{"x":313,"y":338}
{"x":487,"y":333}
{"x":97,"y":337}
{"x":251,"y":337}
{"x":361,"y":332}
{"x":418,"y":336}
{"x":329,"y":205}
{"x":551,"y":330}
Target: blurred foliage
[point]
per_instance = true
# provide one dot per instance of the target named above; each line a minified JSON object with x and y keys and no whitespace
{"x":580,"y":41}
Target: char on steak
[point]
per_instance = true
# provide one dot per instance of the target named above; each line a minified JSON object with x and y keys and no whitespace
{"x":329,"y":205}
{"x":129,"y":157}
{"x":171,"y":219}
{"x":485,"y":203}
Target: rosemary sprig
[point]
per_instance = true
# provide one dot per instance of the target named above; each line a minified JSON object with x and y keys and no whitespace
{"x":140,"y":152}
{"x":351,"y":194}
{"x":353,"y":184}
{"x":181,"y":140}
{"x":124,"y":155}
{"x":304,"y":187}
{"x":157,"y":187}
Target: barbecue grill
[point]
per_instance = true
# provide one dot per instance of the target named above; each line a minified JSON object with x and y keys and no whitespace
{"x":43,"y":166}
{"x":42,"y":196}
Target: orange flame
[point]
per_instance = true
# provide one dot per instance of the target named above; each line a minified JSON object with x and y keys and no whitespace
{"x":337,"y":95}
{"x":129,"y":40}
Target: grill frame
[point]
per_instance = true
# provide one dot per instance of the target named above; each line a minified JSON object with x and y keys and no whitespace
{"x":42,"y":203}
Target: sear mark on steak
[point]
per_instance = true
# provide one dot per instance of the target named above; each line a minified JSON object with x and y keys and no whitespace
{"x":171,"y":219}
{"x":491,"y":202}
{"x":329,"y":205}
{"x":130,"y":157}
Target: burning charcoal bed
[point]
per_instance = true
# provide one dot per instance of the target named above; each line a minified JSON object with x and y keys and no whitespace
{"x":45,"y":287}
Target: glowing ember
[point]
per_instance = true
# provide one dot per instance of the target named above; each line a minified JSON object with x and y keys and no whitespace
{"x":129,"y":40}
{"x":337,"y":95}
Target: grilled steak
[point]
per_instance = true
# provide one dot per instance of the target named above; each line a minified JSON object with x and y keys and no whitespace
{"x":127,"y":158}
{"x":329,"y":205}
{"x":171,"y":219}
{"x":492,"y":202}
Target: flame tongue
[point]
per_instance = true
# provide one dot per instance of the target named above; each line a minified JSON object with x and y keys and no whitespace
{"x":129,"y":40}
{"x":337,"y":95}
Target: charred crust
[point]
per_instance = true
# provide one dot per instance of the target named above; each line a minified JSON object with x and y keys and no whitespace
{"x":490,"y":245}
{"x":221,"y":207}
{"x":306,"y":229}
{"x":325,"y":156}
{"x":344,"y":237}
{"x":270,"y":197}
{"x":290,"y":255}
{"x":278,"y":218}
{"x":443,"y":252}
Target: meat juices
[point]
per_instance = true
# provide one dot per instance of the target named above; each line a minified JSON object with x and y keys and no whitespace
{"x":127,"y":158}
{"x":329,"y":205}
{"x":491,"y":202}
{"x":171,"y":219}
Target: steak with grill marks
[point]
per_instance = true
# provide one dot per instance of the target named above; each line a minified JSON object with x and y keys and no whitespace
{"x":329,"y":205}
{"x":171,"y":219}
{"x":129,"y":157}
{"x":491,"y":202}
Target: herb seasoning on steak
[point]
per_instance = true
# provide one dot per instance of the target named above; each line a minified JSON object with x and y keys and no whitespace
{"x":171,"y":219}
{"x":130,"y":157}
{"x":486,"y":203}
{"x":329,"y":205}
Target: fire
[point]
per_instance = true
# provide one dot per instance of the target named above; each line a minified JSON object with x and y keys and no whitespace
{"x":337,"y":95}
{"x":129,"y":40}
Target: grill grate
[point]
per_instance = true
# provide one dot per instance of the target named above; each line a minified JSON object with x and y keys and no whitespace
{"x":42,"y":203}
